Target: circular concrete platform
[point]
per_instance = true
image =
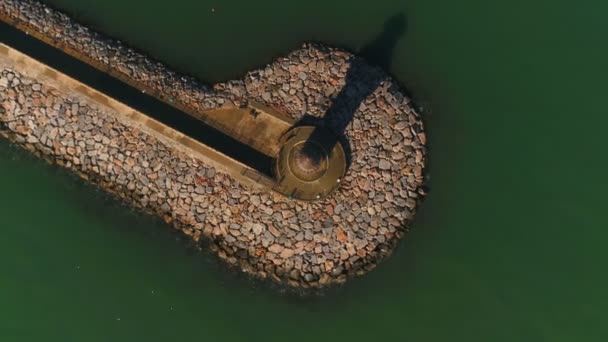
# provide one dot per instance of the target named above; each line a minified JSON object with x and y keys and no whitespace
{"x":310,"y":164}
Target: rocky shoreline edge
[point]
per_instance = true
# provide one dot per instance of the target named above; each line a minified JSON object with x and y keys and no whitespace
{"x":300,"y":244}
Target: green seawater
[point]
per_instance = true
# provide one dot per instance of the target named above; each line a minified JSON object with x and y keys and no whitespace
{"x":509,"y":246}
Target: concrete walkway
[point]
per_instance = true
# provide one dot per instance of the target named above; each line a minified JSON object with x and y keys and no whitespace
{"x":11,"y":58}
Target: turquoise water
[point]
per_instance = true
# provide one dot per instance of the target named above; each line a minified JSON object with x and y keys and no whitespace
{"x":508,"y":246}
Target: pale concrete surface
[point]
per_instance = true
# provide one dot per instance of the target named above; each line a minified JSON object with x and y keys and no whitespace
{"x":262,"y":134}
{"x":293,"y":185}
{"x":255,"y":125}
{"x":11,"y":58}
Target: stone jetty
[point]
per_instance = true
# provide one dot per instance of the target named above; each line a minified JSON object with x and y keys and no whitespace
{"x":301,"y":244}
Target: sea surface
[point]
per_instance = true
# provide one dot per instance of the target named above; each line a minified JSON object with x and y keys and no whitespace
{"x":509,"y":246}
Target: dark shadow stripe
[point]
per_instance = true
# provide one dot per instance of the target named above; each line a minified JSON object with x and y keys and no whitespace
{"x":134,"y":98}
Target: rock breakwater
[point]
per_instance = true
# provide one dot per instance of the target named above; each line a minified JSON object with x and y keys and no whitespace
{"x":301,"y":244}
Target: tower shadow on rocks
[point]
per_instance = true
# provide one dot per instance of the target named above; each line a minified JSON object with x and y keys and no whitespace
{"x":366,"y":72}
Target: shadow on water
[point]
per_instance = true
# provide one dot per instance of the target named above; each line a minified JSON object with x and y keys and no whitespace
{"x":124,"y":93}
{"x":362,"y":79}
